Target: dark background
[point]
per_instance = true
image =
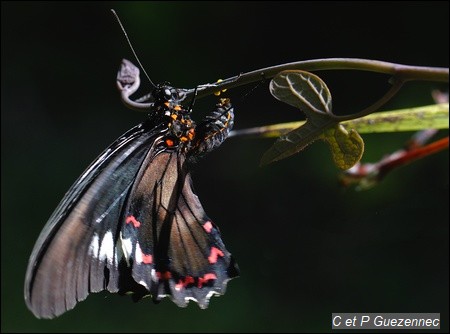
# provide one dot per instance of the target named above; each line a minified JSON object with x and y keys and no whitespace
{"x":305,"y":247}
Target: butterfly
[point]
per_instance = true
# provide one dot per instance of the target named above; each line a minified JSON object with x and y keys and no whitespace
{"x":132,"y":222}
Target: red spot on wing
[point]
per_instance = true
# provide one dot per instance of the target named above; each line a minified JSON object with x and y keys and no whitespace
{"x":147,"y":258}
{"x":182,"y":283}
{"x":132,"y":220}
{"x":212,"y":258}
{"x":208,"y":226}
{"x":164,"y":276}
{"x":205,"y":279}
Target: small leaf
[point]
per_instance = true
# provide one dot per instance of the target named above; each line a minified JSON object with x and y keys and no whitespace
{"x":347,"y":147}
{"x":292,"y":142}
{"x":302,"y":90}
{"x":309,"y":93}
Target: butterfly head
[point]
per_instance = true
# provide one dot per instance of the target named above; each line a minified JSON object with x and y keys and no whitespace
{"x":163,"y":94}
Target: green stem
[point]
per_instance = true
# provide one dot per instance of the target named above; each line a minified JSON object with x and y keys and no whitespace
{"x":374,"y":107}
{"x":401,"y":72}
{"x":411,"y":119}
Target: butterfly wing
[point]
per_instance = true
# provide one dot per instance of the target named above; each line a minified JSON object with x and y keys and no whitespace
{"x":174,"y":248}
{"x":75,"y":253}
{"x":132,"y":222}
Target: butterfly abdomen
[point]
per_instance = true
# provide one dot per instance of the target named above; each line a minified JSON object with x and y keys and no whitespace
{"x":214,"y":129}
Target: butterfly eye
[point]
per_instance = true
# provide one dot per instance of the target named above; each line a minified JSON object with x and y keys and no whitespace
{"x":167,"y":93}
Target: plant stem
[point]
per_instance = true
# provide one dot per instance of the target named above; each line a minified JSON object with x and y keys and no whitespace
{"x":411,"y":119}
{"x":401,"y":72}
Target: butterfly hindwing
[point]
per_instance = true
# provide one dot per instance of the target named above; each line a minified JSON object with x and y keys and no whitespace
{"x":174,"y":247}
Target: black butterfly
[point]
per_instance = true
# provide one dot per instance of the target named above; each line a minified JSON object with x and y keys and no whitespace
{"x":132,"y":222}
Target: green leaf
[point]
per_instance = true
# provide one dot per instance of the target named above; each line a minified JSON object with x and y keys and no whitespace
{"x":309,"y":93}
{"x":410,"y":119}
{"x":303,"y":90}
{"x":347,"y":147}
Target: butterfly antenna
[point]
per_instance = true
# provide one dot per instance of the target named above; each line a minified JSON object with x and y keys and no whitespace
{"x":131,"y":46}
{"x":193,"y":99}
{"x":260,"y":82}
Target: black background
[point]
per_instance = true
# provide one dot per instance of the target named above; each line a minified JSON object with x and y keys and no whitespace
{"x":306,"y":247}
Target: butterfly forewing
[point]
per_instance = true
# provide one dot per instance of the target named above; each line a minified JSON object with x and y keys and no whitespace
{"x":77,"y":244}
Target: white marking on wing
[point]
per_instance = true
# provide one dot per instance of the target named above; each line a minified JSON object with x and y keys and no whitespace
{"x":144,"y":284}
{"x":127,"y":248}
{"x":138,"y":254}
{"x":153,"y":275}
{"x":93,"y":247}
{"x":107,"y":248}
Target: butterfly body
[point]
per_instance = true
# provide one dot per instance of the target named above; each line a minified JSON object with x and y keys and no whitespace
{"x":132,"y":222}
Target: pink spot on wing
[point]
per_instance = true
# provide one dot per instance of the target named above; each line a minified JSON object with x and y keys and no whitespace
{"x":208,"y":226}
{"x":147,"y":258}
{"x":205,"y":279}
{"x":182,"y":283}
{"x":212,"y":258}
{"x":132,"y":220}
{"x":164,"y":276}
